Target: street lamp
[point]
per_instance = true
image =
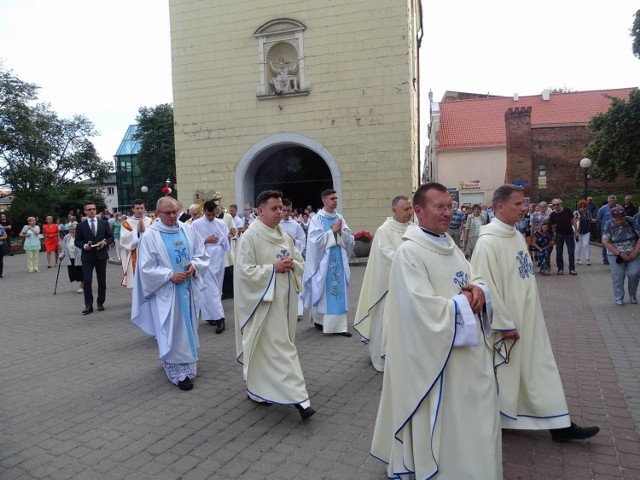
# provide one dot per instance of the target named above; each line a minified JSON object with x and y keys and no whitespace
{"x":585,"y":164}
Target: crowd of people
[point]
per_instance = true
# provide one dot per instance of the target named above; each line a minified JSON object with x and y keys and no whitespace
{"x":449,"y":305}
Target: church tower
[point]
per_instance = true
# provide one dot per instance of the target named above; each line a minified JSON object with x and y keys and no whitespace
{"x":297,"y":96}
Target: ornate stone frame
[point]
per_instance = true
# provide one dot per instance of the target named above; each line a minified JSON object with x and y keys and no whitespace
{"x":286,"y":35}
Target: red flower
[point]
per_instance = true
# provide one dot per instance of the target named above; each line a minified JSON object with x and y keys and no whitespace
{"x":363,"y":236}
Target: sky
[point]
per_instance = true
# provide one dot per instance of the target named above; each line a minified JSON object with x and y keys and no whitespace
{"x":105,"y":60}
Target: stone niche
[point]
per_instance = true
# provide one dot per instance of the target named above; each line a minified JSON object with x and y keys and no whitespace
{"x":281,"y":59}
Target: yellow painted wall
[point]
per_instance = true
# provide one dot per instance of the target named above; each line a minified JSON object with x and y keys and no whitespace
{"x":360,"y":63}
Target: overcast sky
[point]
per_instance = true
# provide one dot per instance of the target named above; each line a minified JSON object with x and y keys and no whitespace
{"x":105,"y":60}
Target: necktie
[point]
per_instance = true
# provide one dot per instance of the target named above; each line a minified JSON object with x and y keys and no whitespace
{"x":93,"y":227}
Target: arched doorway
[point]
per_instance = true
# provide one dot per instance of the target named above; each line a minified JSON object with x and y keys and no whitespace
{"x":297,"y":165}
{"x":298,"y":172}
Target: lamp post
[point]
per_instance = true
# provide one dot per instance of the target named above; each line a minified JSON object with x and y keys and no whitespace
{"x":585,"y":164}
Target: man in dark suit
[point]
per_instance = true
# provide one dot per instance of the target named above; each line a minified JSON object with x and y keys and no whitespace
{"x":93,"y":236}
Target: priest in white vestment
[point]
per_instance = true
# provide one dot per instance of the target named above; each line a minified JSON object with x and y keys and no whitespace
{"x":438,"y":415}
{"x":130,"y":232}
{"x":169,"y":283}
{"x":216,"y":241}
{"x":375,"y":284}
{"x":326,"y":276}
{"x":268,"y":273}
{"x":295,"y":231}
{"x":530,"y":389}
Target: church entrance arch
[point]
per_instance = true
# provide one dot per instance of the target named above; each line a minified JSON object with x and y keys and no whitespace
{"x":298,"y":166}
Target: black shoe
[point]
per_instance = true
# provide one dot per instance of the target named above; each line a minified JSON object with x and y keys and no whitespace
{"x":299,"y":316}
{"x":318,"y":326}
{"x":101,"y":308}
{"x":574,"y":432}
{"x":305,"y":412}
{"x":186,"y":384}
{"x":87,"y":310}
{"x":344,"y":334}
{"x":220,"y":325}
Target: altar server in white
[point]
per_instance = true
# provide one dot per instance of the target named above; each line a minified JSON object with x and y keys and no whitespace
{"x":268,"y":273}
{"x":295,"y":231}
{"x":438,"y":415}
{"x":375,"y":284}
{"x":326,"y":276}
{"x":130,"y":232}
{"x":531,"y":394}
{"x":215,"y":235}
{"x":172,"y":263}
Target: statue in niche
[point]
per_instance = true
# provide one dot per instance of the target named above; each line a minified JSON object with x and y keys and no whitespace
{"x":284,"y":81}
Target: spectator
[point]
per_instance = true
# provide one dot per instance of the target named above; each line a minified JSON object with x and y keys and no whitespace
{"x":562,"y":222}
{"x":51,"y":239}
{"x":31,"y":234}
{"x":70,"y":257}
{"x":621,"y":238}
{"x":583,"y":222}
{"x":543,"y":245}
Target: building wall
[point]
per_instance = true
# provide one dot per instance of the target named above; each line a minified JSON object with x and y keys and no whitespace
{"x":461,"y":168}
{"x":360,"y":63}
{"x":556,"y":151}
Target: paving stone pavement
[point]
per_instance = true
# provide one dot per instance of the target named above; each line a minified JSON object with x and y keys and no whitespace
{"x":84,"y":397}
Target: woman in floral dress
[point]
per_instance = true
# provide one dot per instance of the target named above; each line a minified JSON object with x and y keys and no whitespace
{"x":543,"y":248}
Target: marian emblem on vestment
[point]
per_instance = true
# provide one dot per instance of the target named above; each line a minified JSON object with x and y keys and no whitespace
{"x":526,"y":266}
{"x":461,"y":279}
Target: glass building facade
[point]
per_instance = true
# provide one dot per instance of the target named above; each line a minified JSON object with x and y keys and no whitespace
{"x":128,"y":171}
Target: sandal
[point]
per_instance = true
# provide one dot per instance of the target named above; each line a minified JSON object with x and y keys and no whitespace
{"x":560,"y":272}
{"x":572,"y":272}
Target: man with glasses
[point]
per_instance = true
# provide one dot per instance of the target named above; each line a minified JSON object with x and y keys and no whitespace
{"x":93,"y":237}
{"x":563,"y":224}
{"x":167,"y":292}
{"x":438,"y":413}
{"x":531,"y":395}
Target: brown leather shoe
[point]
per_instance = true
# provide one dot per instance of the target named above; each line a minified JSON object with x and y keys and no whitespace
{"x":87,"y":310}
{"x":101,"y":308}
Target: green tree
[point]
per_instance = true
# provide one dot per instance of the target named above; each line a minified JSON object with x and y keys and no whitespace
{"x":41,"y":153}
{"x":157,"y":156}
{"x":615,"y":147}
{"x":635,"y":34}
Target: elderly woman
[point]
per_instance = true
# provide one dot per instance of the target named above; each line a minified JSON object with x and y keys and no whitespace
{"x":621,"y":238}
{"x":70,"y":256}
{"x":31,"y":234}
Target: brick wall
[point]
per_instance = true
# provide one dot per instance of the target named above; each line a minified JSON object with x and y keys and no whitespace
{"x":554,"y":149}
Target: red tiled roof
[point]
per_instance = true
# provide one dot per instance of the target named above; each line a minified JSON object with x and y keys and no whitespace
{"x":479,"y":122}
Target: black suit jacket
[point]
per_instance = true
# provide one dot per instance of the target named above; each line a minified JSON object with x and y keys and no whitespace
{"x":84,"y":235}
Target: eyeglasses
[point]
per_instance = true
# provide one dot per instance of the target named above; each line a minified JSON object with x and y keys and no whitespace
{"x":172,"y":213}
{"x":618,"y":214}
{"x":442,"y":208}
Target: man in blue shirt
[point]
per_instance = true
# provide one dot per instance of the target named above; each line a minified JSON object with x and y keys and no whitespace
{"x":457,"y":222}
{"x":602,"y":218}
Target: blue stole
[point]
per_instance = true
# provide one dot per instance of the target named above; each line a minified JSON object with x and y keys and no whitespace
{"x":334,"y":283}
{"x":177,"y":247}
